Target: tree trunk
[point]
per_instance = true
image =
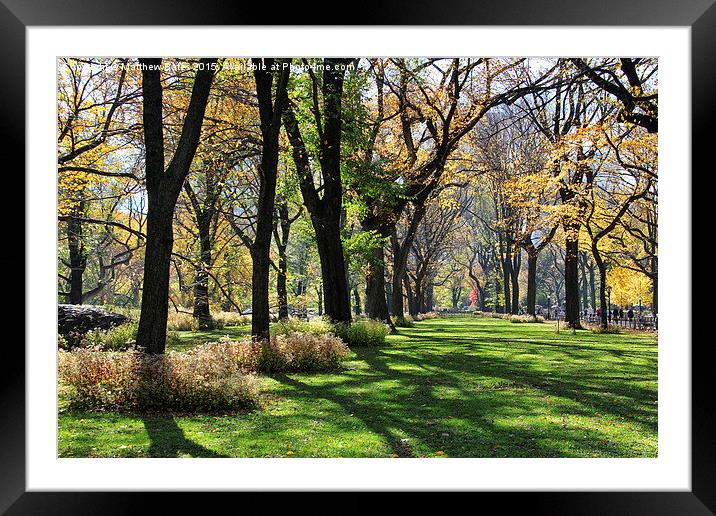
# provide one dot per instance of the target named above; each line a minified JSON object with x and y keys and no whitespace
{"x":584,"y":282}
{"x":376,"y":305}
{"x":410,"y":296}
{"x":325,"y":211}
{"x":282,"y":230}
{"x":356,"y":302}
{"x":270,"y":112}
{"x":602,"y":268}
{"x":456,"y":292}
{"x":571,"y":276}
{"x":429,"y":303}
{"x":515,"y":279}
{"x":152,"y":332}
{"x":330,"y":251}
{"x":399,"y":264}
{"x":260,"y":315}
{"x":389,"y":296}
{"x":531,"y":281}
{"x":201,"y":279}
{"x":506,"y":279}
{"x":78,"y":259}
{"x":320,"y":301}
{"x":163,"y":187}
{"x":654,"y":286}
{"x":418,"y":298}
{"x":592,"y":287}
{"x":281,"y":289}
{"x":400,"y":260}
{"x":398,"y":308}
{"x":226,"y":304}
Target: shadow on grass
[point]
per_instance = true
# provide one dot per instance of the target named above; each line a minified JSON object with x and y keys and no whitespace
{"x":473,"y":390}
{"x":470,"y":401}
{"x":168,"y":440}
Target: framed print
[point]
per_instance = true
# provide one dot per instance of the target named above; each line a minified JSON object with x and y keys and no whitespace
{"x":417,"y":250}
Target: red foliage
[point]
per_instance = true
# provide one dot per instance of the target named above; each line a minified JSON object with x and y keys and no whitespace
{"x":473,"y":296}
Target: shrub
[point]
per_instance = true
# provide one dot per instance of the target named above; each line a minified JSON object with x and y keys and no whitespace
{"x":362,"y":332}
{"x":496,"y":315}
{"x":612,"y":328}
{"x":182,"y":321}
{"x":119,"y":338}
{"x":131,"y":313}
{"x":403,"y":322}
{"x":301,"y":352}
{"x":224,"y":319}
{"x":62,"y":343}
{"x":185,"y":321}
{"x":526,"y":319}
{"x":318,"y":326}
{"x":206,"y":378}
{"x":426,"y":316}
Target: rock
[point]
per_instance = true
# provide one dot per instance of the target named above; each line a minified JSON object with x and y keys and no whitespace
{"x":79,"y":319}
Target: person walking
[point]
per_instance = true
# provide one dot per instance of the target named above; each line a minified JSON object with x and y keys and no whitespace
{"x":630,"y":315}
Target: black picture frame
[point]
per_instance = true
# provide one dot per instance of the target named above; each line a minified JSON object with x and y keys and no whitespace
{"x":17,"y":15}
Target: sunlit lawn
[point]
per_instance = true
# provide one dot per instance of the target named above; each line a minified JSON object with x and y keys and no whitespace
{"x":187,"y":339}
{"x":453,"y":387}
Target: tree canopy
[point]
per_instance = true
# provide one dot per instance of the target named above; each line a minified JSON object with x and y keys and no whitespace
{"x":341,"y":187}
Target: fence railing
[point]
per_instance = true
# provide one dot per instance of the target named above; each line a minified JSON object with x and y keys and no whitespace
{"x":460,"y":313}
{"x":638,"y":322}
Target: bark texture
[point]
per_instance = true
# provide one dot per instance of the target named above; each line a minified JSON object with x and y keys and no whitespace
{"x":163,"y":187}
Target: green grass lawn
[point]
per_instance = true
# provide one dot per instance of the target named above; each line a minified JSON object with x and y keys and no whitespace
{"x":188,"y":339}
{"x":450,"y":387}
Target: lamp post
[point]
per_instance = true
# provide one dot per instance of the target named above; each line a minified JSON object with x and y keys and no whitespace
{"x":609,"y":302}
{"x":640,"y":313}
{"x":548,"y":308}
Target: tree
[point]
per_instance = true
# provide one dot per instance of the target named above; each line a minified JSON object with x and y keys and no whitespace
{"x":229,"y":137}
{"x":497,"y":179}
{"x":564,"y":118}
{"x":529,"y":191}
{"x":432,"y":244}
{"x":281,"y":231}
{"x":634,"y":243}
{"x":638,"y":97}
{"x":270,"y":111}
{"x":204,"y":209}
{"x":92,"y":124}
{"x":163,"y":188}
{"x":436,"y":103}
{"x":325,"y":210}
{"x":613,"y":195}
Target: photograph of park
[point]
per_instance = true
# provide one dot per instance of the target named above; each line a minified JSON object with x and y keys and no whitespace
{"x":387,"y":257}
